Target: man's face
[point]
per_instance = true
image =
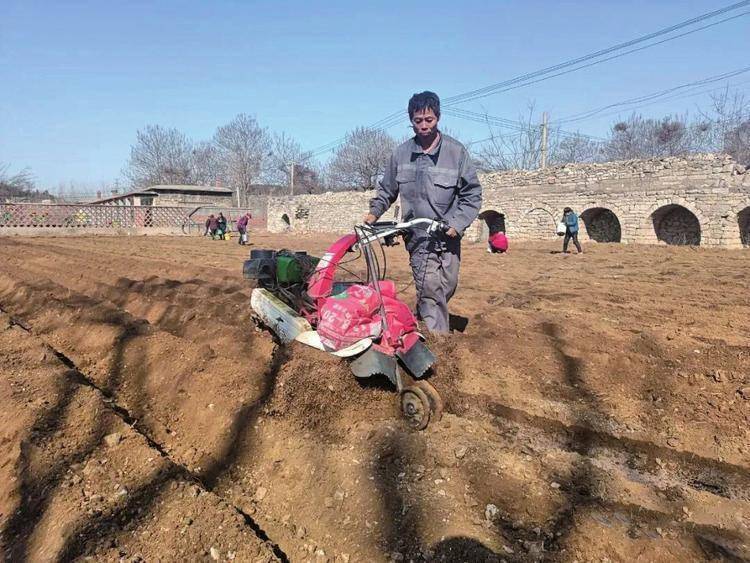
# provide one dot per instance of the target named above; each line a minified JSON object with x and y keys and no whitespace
{"x":424,"y":123}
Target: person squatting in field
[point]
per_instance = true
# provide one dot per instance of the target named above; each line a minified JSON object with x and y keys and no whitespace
{"x":436,"y":179}
{"x":497,"y":243}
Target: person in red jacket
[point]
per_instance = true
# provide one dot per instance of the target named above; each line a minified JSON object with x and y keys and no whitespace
{"x":497,"y":242}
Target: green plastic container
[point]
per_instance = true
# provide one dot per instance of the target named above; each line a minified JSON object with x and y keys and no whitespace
{"x":288,"y":269}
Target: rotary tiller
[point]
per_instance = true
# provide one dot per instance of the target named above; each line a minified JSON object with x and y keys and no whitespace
{"x":297,"y":298}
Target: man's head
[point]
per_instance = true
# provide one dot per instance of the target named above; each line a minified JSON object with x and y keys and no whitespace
{"x":211,"y":216}
{"x":567,"y":210}
{"x":424,"y":113}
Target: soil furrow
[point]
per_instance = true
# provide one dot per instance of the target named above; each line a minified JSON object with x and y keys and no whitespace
{"x":19,"y":539}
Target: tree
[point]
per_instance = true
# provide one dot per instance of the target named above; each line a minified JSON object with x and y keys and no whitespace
{"x":206,"y":165}
{"x":729,"y":120}
{"x":18,"y":185}
{"x":523,"y":148}
{"x":20,"y":181}
{"x":737,"y":143}
{"x":575,"y":148}
{"x":243,"y":145}
{"x":360,"y":162}
{"x":160,"y":155}
{"x":639,"y":137}
{"x":284,"y":151}
{"x":308,"y":179}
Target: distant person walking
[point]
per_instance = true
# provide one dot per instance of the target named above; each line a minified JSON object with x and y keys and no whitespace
{"x":221,"y":228}
{"x":211,"y":225}
{"x":571,"y":229}
{"x":242,"y":227}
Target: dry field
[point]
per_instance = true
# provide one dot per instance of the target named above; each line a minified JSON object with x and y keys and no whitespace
{"x":597,"y":408}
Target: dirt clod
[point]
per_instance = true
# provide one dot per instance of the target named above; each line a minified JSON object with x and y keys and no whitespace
{"x":113,"y":439}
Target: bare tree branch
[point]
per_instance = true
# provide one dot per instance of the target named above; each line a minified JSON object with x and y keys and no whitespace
{"x":243,"y":146}
{"x":159,"y":156}
{"x":206,"y":165}
{"x":360,"y":162}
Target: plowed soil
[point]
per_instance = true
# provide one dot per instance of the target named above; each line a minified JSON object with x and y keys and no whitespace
{"x":597,"y":408}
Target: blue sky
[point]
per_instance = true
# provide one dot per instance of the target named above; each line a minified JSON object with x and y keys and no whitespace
{"x":79,"y":78}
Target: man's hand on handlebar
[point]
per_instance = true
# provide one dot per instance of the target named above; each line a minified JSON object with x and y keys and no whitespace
{"x":369,"y":219}
{"x":451,"y":232}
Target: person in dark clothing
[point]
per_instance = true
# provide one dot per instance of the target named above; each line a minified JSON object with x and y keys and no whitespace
{"x":242,"y":227}
{"x":221,"y":228}
{"x":208,"y":226}
{"x":571,"y":229}
{"x":212,"y":224}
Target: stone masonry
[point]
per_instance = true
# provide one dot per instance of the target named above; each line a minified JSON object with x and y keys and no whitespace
{"x":702,"y":199}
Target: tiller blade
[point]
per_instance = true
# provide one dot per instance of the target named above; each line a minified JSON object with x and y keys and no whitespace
{"x":374,"y":362}
{"x":417,"y":359}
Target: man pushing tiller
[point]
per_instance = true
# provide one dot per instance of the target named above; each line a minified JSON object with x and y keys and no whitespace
{"x":436,"y":179}
{"x":299,"y":298}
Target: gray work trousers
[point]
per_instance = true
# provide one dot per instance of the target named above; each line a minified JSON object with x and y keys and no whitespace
{"x":435,"y":264}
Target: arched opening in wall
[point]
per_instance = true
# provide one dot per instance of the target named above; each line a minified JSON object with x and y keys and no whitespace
{"x":538,"y":223}
{"x":602,"y":225}
{"x":675,"y":224}
{"x":743,"y":219}
{"x":285,"y":221}
{"x":492,"y":222}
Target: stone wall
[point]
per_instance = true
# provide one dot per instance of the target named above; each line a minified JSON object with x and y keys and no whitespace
{"x":329,"y":212}
{"x":702,"y":199}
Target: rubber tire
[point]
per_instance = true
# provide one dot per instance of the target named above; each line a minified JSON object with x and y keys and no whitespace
{"x":415,"y":395}
{"x":436,"y":402}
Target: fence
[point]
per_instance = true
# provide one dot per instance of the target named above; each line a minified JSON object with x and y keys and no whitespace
{"x":91,"y":216}
{"x":23,"y":217}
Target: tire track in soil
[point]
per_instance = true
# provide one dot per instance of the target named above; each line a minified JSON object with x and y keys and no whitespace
{"x":699,"y":473}
{"x":627,"y":460}
{"x":97,"y":528}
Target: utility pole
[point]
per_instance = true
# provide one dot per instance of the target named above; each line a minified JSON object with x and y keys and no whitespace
{"x":291,"y":180}
{"x":543,"y":159}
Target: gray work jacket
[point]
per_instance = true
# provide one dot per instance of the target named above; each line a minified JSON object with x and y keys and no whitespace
{"x":441,"y":184}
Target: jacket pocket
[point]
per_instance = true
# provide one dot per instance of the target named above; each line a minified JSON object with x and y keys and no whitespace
{"x":406,"y":176}
{"x":407,"y":183}
{"x":445,"y":187}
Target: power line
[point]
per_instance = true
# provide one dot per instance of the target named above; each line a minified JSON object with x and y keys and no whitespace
{"x":681,"y":96}
{"x":616,"y":56}
{"x":544,"y":74}
{"x":653,"y":96}
{"x":493,"y":88}
{"x":502,"y":122}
